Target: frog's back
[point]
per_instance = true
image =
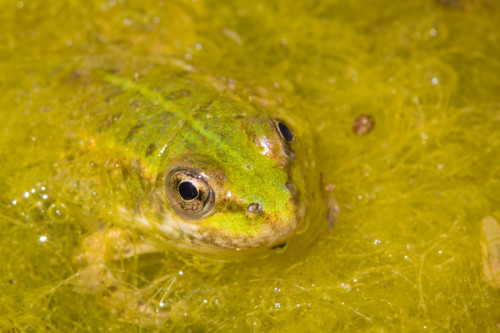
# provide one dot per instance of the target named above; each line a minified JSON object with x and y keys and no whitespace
{"x":159,"y":116}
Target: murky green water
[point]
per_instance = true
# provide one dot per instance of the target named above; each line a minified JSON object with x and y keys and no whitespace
{"x":405,"y":254}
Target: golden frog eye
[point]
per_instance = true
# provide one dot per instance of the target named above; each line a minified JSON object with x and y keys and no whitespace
{"x":189,"y":193}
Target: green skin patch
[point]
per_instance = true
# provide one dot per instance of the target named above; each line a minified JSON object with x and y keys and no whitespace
{"x":244,"y":167}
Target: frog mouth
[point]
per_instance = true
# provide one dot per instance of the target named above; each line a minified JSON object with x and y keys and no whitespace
{"x":275,"y":231}
{"x":272,"y":234}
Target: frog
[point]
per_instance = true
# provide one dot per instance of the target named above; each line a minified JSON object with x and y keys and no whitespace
{"x":187,"y":164}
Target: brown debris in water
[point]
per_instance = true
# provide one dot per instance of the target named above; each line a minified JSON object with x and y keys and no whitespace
{"x":363,"y":124}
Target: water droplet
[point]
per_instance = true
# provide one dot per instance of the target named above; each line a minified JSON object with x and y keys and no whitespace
{"x":254,"y":208}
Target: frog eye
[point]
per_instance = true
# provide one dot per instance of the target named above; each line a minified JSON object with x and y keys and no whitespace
{"x":189,"y":193}
{"x":285,"y":132}
{"x":286,"y":136}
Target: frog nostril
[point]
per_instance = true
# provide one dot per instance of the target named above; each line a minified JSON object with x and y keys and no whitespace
{"x":254,"y":208}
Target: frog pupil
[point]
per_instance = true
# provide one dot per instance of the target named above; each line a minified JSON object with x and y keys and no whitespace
{"x":188,"y":190}
{"x":285,"y":132}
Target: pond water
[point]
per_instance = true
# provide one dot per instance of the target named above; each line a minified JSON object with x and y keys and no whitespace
{"x":405,"y":253}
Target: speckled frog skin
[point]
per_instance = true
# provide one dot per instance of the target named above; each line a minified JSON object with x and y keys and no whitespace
{"x":182,"y":162}
{"x":216,"y":173}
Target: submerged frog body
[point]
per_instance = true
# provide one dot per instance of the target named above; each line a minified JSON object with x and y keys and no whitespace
{"x":182,"y":164}
{"x":212,"y":173}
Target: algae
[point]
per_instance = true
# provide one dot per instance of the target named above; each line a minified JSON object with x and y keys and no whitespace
{"x":405,"y":253}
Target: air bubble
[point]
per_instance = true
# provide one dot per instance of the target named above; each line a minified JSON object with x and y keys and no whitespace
{"x":37,"y":213}
{"x":58,"y":213}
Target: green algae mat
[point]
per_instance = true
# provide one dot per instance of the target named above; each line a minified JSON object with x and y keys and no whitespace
{"x":385,"y":115}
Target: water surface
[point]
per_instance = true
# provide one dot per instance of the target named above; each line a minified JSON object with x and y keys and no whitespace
{"x":405,"y":253}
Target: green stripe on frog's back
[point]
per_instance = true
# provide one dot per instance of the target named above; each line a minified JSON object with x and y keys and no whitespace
{"x":201,"y":122}
{"x":182,"y":117}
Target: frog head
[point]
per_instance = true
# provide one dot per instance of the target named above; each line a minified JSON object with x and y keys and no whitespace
{"x":240,"y":193}
{"x":226,"y":174}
